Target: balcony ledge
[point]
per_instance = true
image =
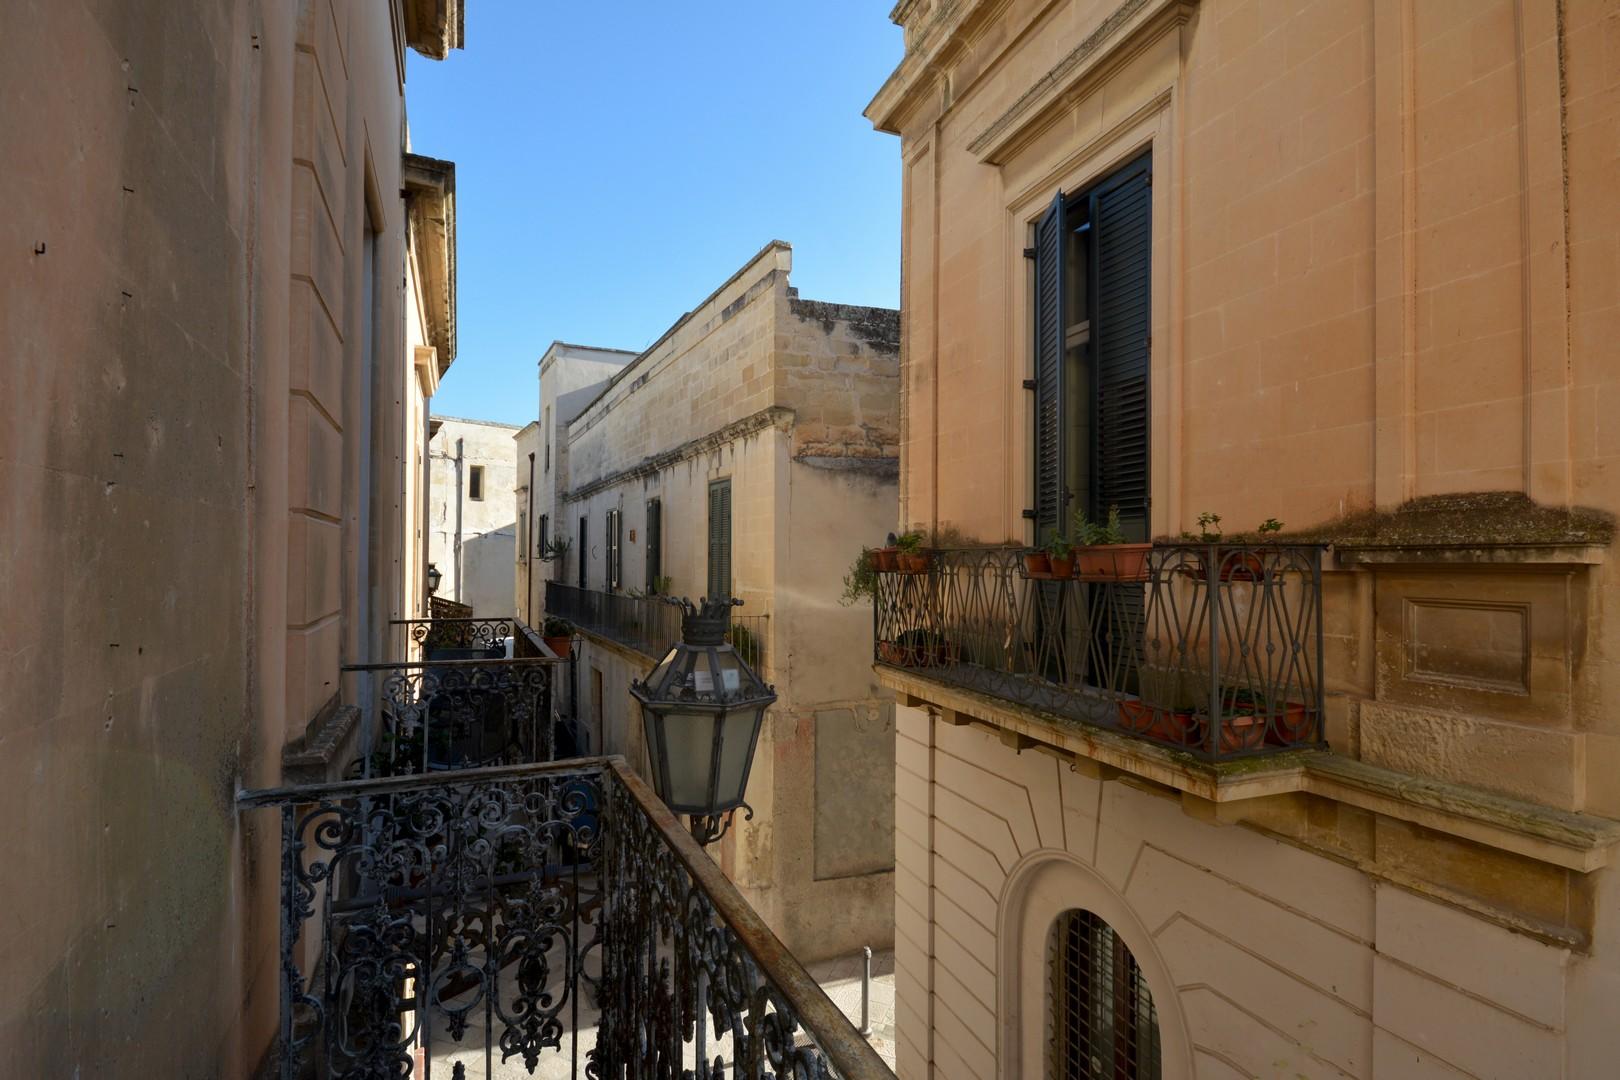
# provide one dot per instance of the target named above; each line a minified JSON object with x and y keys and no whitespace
{"x":1573,"y":841}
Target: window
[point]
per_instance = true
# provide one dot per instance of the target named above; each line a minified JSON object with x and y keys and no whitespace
{"x":475,"y":483}
{"x":541,"y":531}
{"x":655,"y":541}
{"x":615,"y":549}
{"x":584,"y":554}
{"x":522,"y":536}
{"x":1092,"y":325}
{"x":545,"y":430}
{"x":1101,"y":1023}
{"x":719,"y":539}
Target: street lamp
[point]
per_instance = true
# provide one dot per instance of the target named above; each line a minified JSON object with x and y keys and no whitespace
{"x":701,"y":710}
{"x":433,"y":579}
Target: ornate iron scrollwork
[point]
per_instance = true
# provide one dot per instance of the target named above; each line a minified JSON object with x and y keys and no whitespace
{"x":496,"y":910}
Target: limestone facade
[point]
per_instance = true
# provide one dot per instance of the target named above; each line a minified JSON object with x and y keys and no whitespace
{"x":227,"y":293}
{"x":793,"y":404}
{"x":1383,"y":241}
{"x":473,"y":522}
{"x":571,"y":376}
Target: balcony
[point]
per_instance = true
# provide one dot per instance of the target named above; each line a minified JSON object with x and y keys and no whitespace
{"x":1211,"y":649}
{"x":465,"y":705}
{"x":550,"y":919}
{"x":647,"y":623}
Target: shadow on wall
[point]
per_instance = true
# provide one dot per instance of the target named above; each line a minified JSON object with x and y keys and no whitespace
{"x":486,"y":568}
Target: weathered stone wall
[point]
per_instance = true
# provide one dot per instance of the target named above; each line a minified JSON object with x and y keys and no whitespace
{"x":473,"y":541}
{"x":187,"y":190}
{"x":793,"y":402}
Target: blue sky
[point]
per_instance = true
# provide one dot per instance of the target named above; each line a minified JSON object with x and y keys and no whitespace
{"x":617,"y":162}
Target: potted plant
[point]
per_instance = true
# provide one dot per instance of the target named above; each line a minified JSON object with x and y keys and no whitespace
{"x":558,"y":634}
{"x":886,"y":559}
{"x":914,"y":558}
{"x":1037,"y":563}
{"x":1103,"y":553}
{"x":1235,"y":565}
{"x":861,"y":581}
{"x":1059,"y":555}
{"x":918,"y":648}
{"x":554,"y":548}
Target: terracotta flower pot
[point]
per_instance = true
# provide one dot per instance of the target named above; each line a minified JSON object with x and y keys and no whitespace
{"x":1242,"y":733}
{"x":1114,"y":562}
{"x":1291,"y":725}
{"x":885,"y":560}
{"x":1037,"y":564}
{"x":1165,"y":725}
{"x":916,"y":562}
{"x":1062,"y":566}
{"x":562,"y":646}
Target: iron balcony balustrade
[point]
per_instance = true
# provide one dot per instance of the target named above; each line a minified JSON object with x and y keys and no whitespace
{"x":1214,"y":649}
{"x":505,"y":920}
{"x":647,"y":624}
{"x":466,"y":705}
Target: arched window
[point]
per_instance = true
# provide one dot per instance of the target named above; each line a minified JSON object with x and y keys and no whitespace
{"x":1101,"y":1022}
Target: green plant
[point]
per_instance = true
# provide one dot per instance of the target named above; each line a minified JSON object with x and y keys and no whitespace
{"x":1209,"y":529}
{"x":911,"y":543}
{"x":861,"y":581}
{"x":1092,"y":533}
{"x":556,"y":627}
{"x":1269,"y":526}
{"x":743,"y":641}
{"x":661,"y":585}
{"x":555,"y":548}
{"x":1058,"y":546}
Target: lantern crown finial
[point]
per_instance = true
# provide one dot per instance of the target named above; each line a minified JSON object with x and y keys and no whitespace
{"x":707,"y":621}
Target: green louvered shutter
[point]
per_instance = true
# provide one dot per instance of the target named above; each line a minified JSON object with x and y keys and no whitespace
{"x":1122,"y":218}
{"x":655,"y":542}
{"x":719,"y":539}
{"x":1051,"y":495}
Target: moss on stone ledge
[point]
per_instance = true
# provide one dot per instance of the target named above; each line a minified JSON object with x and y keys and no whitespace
{"x":1470,"y":519}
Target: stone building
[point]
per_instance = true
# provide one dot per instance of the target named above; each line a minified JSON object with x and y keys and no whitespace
{"x":1349,"y":266}
{"x":571,"y":376}
{"x":472,"y":513}
{"x":749,"y":452}
{"x":228,"y":292}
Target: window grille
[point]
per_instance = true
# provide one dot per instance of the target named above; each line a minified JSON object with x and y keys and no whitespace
{"x":1102,"y":1021}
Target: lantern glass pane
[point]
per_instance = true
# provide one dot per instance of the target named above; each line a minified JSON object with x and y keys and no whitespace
{"x":650,"y":727}
{"x":655,"y":681}
{"x":690,"y":739}
{"x":738,"y":729}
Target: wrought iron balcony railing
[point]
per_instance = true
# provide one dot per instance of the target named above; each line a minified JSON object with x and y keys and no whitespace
{"x":646,"y":623}
{"x":466,"y":705}
{"x":1215,"y":649}
{"x":501,"y":920}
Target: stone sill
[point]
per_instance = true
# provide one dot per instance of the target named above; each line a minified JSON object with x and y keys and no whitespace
{"x":1494,"y":555}
{"x":1574,"y":841}
{"x":330,"y":738}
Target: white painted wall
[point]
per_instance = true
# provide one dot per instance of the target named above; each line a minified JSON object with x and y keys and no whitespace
{"x":473,"y":541}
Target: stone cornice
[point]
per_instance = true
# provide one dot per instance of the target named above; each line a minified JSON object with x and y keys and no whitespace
{"x":771,"y":416}
{"x":1128,"y":29}
{"x":434,"y":27}
{"x":430,"y":207}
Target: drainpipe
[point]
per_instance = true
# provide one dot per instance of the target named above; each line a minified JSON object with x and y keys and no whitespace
{"x":528,"y":556}
{"x":458,"y":519}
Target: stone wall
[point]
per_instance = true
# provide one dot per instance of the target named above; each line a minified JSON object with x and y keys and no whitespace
{"x":1382,"y":243}
{"x":1263,"y":959}
{"x":473,"y":541}
{"x":793,"y":403}
{"x":184,"y":268}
